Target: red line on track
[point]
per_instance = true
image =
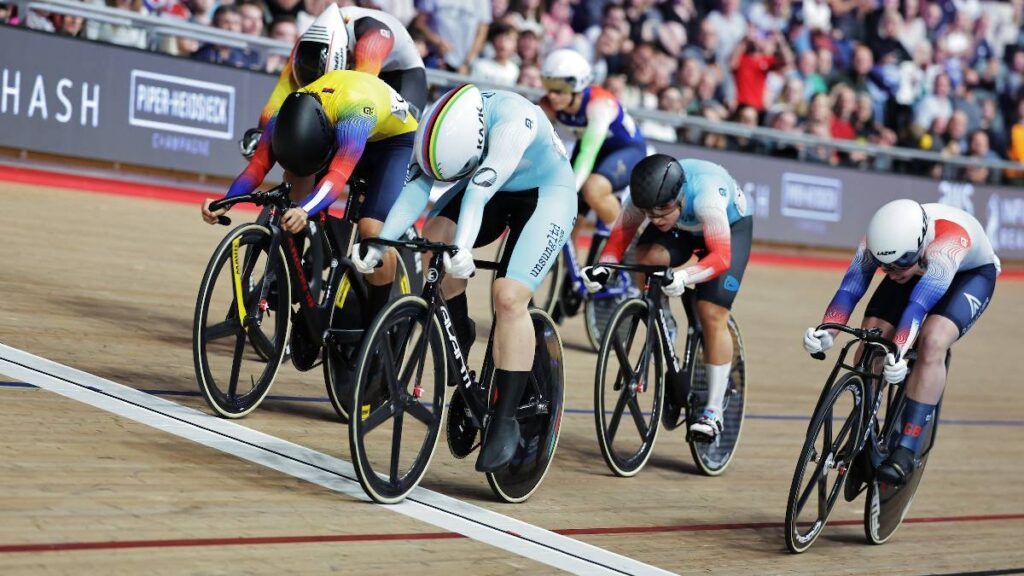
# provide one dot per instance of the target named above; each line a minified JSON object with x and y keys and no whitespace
{"x":191,"y":195}
{"x":601,"y":531}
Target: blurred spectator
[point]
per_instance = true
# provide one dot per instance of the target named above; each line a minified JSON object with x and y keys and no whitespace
{"x":530,"y":14}
{"x":819,"y":153}
{"x":844,"y":107}
{"x":751,"y":62}
{"x":558,"y":32}
{"x":704,"y":48}
{"x":1015,"y":151}
{"x":731,"y":27}
{"x":500,"y":69}
{"x":807,"y":73}
{"x":609,"y":53}
{"x":690,"y":73}
{"x":992,"y":123}
{"x":826,"y":66}
{"x":455,"y":29}
{"x":529,"y":76}
{"x":707,"y":98}
{"x":933,"y":21}
{"x":670,"y":100}
{"x":284,"y":7}
{"x":528,"y":48}
{"x":956,"y":135}
{"x":641,"y":74}
{"x":115,"y":33}
{"x":770,"y":16}
{"x":914,"y":33}
{"x":226,"y":18}
{"x":613,"y":15}
{"x":283,"y":29}
{"x":310,"y":10}
{"x":39,"y":20}
{"x":644,"y":20}
{"x":937,"y":104}
{"x":253,"y":14}
{"x":887,"y":47}
{"x":784,"y":121}
{"x":979,"y":148}
{"x":793,"y":97}
{"x":7,"y":14}
{"x":403,"y":10}
{"x":202,"y":10}
{"x":816,"y":15}
{"x":679,"y":11}
{"x":747,"y":116}
{"x":68,"y":25}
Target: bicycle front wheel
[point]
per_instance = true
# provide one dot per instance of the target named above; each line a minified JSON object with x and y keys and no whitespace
{"x":539,"y":415}
{"x":714,"y":457}
{"x":824,"y":461}
{"x":245,"y":296}
{"x":400,"y":396}
{"x":628,"y":389}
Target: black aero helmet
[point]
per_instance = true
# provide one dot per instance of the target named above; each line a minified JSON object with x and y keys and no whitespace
{"x":303,"y":137}
{"x":655,"y":181}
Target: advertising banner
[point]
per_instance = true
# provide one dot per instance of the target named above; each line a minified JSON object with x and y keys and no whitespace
{"x":86,"y":99}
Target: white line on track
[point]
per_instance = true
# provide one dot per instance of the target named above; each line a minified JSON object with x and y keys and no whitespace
{"x":333,"y":473}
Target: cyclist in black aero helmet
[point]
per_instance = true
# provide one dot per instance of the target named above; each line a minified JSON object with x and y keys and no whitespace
{"x":693,"y":206}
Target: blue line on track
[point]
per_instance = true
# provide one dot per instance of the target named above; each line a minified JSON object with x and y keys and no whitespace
{"x":323,"y":399}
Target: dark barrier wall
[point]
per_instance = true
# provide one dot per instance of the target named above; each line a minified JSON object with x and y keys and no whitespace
{"x":802,"y":203}
{"x":90,"y":100}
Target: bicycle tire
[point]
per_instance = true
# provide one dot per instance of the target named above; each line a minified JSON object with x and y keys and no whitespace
{"x":797,"y":541}
{"x":629,"y":460}
{"x":886,"y":506}
{"x":392,"y":485}
{"x":539,"y":431}
{"x":228,"y":403}
{"x":712,"y":458}
{"x":339,"y":372}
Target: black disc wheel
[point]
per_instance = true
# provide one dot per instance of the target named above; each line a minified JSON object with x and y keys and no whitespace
{"x":628,"y":389}
{"x":399,"y":398}
{"x":886,"y":506}
{"x":245,"y":296}
{"x":347,"y":314}
{"x":714,"y":457}
{"x":539,"y":415}
{"x":824,"y":461}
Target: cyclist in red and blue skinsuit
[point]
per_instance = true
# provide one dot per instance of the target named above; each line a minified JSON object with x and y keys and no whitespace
{"x":940,"y":276}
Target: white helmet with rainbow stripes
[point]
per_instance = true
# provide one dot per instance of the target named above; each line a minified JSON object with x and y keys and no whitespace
{"x":451,"y":136}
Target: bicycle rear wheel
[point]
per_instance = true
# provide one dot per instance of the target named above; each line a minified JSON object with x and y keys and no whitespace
{"x":401,"y":372}
{"x":539,"y":415}
{"x":886,"y":506}
{"x":629,"y":382}
{"x":347,"y":313}
{"x":235,"y":305}
{"x":714,"y":457}
{"x":826,"y":450}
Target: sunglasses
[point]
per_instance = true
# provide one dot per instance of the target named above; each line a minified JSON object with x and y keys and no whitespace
{"x":560,"y":85}
{"x":660,"y":211}
{"x":903,"y":262}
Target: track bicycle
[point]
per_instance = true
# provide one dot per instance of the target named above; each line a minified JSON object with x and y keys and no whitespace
{"x":407,"y":361}
{"x":856,"y":423}
{"x":563,"y":292}
{"x":640,"y":384}
{"x":260,"y":287}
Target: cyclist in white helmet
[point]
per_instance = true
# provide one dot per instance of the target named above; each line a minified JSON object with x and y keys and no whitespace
{"x":510,"y":171}
{"x":940,"y":273}
{"x":609,"y":142}
{"x":348,"y":38}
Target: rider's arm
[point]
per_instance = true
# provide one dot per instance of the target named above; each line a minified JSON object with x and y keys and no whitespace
{"x":601,"y":112}
{"x":285,"y":86}
{"x":944,"y":256}
{"x":629,"y":221}
{"x":409,"y":204}
{"x":351,"y":132}
{"x":260,"y":164}
{"x":374,"y":42}
{"x":852,"y":288}
{"x":507,"y":141}
{"x":710,"y":209}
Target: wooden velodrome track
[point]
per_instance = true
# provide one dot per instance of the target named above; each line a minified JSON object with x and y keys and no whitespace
{"x":92,"y":484}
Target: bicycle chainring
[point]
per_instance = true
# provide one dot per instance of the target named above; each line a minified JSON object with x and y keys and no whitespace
{"x":460,"y":430}
{"x":303,"y":351}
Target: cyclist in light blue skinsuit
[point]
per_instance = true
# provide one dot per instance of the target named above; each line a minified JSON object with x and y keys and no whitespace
{"x":510,"y":171}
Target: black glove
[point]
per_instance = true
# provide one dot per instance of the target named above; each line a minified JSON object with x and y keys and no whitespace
{"x":247,"y":145}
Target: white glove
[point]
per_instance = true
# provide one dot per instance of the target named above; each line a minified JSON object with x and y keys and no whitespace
{"x":894,"y":372}
{"x":817,"y":340}
{"x":678,"y":284}
{"x":461,"y":265}
{"x":366,"y":264}
{"x":595,"y":277}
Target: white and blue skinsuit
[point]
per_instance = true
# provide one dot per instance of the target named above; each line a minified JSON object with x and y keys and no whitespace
{"x":525,"y":162}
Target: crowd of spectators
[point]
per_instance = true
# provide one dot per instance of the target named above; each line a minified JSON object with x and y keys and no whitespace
{"x":938,"y":75}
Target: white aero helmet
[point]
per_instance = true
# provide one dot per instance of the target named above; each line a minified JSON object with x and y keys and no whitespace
{"x":897,"y":232}
{"x":323,"y":47}
{"x":451,"y":135}
{"x":566,"y":70}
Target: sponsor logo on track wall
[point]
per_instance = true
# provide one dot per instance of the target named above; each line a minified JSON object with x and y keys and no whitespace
{"x":124,"y":105}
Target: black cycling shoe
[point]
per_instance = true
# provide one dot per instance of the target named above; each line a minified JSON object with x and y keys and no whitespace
{"x":500,"y":442}
{"x":895,"y":470}
{"x":855,"y":476}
